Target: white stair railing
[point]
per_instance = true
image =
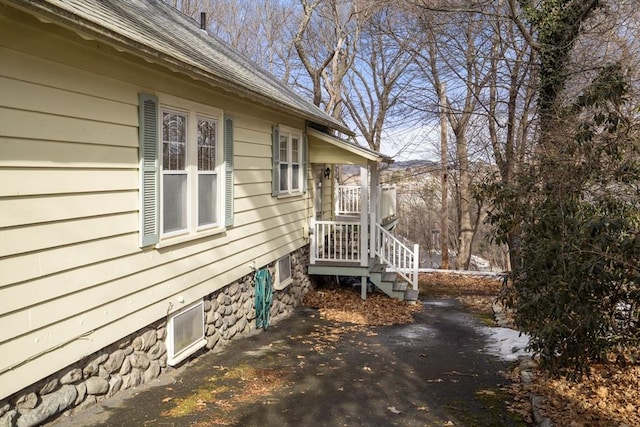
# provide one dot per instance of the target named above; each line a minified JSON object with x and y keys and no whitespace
{"x":399,"y":257}
{"x":387,"y":201}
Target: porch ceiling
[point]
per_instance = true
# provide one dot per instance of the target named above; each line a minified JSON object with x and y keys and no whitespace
{"x":324,"y":148}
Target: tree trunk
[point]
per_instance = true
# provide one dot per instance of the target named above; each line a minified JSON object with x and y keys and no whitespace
{"x":444,"y":212}
{"x":465,"y":236}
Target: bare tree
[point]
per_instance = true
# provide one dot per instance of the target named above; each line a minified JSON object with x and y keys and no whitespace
{"x":326,"y":41}
{"x":458,"y":53}
{"x":375,"y":86}
{"x":510,"y":105}
{"x":261,"y":31}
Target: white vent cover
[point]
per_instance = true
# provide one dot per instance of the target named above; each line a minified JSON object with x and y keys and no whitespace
{"x":185,"y":333}
{"x":283,"y":273}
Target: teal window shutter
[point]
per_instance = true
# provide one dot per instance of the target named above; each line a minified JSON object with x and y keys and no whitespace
{"x":275,"y":177}
{"x":228,"y":171}
{"x":149,"y":170}
{"x":305,"y":172}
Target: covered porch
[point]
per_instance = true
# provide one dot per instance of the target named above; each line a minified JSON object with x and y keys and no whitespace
{"x":351,"y":231}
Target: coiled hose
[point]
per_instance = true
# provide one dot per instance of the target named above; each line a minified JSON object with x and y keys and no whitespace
{"x":264,"y":297}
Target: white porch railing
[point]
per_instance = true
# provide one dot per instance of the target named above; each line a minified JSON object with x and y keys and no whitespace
{"x":348,"y":199}
{"x":387,"y":201}
{"x":336,"y":242}
{"x":398,"y":256}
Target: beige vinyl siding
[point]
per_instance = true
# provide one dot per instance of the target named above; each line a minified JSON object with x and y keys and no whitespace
{"x":49,"y":208}
{"x":17,"y":240}
{"x":72,"y":277}
{"x":66,"y":154}
{"x":321,"y":152}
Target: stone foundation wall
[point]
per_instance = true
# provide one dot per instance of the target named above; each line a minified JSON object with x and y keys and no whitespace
{"x":142,"y":356}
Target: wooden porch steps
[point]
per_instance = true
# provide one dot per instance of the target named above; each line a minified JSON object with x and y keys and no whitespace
{"x":387,"y":282}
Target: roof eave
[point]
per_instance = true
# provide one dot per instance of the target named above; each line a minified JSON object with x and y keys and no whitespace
{"x":89,"y":30}
{"x":363,"y":152}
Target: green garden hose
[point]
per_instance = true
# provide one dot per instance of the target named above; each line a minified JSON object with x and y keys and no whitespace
{"x":264,"y":297}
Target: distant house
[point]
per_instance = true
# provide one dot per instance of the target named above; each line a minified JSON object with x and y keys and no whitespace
{"x":147,"y":172}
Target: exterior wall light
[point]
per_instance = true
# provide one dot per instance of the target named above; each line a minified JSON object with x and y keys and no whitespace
{"x":327,"y":173}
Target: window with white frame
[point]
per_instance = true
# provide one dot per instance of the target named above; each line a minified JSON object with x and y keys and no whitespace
{"x":290,"y":160}
{"x":191,"y":195}
{"x":207,"y":172}
{"x":185,"y":333}
{"x":283,"y":272}
{"x":186,"y":169}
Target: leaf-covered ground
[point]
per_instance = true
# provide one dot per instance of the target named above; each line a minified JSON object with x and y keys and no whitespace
{"x":609,"y":396}
{"x":476,"y":292}
{"x":226,"y":392}
{"x":345,"y":305}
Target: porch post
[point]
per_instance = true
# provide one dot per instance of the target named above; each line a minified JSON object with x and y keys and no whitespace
{"x":416,"y":265}
{"x":375,"y":205}
{"x":313,"y":237}
{"x":363,"y":287}
{"x":364,"y":210}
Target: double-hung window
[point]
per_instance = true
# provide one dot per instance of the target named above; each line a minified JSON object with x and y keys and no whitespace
{"x":186,"y":167}
{"x":174,"y":171}
{"x":289,"y":154}
{"x":207,"y":172}
{"x":190,"y":194}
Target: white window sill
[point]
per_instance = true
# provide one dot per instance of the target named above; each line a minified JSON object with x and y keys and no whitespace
{"x":284,"y":284}
{"x":290,"y":195}
{"x":176,"y":240}
{"x":172,"y":361}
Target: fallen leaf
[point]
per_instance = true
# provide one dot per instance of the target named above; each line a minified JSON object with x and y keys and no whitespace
{"x":344,"y":305}
{"x":167,"y":399}
{"x":393,"y":410}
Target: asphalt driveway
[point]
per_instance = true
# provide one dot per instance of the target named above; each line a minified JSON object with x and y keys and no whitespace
{"x":305,"y":371}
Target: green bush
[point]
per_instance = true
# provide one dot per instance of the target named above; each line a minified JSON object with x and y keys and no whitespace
{"x":577,"y":291}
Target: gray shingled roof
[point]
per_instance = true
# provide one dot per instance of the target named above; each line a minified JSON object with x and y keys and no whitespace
{"x":154,"y":30}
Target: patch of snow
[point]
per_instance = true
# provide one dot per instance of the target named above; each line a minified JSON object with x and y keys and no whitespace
{"x":480,"y":263}
{"x":506,"y":343}
{"x":415,"y":331}
{"x":439,"y":303}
